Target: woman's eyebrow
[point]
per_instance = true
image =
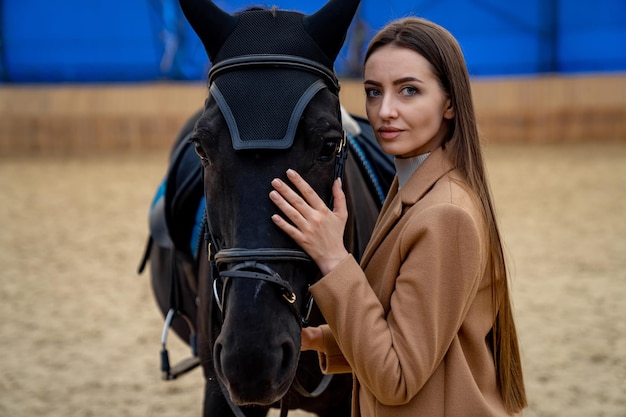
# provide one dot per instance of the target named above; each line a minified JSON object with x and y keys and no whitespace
{"x":396,"y":82}
{"x":407,"y":79}
{"x":371,"y":82}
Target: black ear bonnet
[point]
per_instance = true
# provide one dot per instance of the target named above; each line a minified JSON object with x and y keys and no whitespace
{"x":268,"y":65}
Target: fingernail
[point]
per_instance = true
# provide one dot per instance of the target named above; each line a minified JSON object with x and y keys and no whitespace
{"x":273,"y":195}
{"x":291,"y":173}
{"x":276,"y":182}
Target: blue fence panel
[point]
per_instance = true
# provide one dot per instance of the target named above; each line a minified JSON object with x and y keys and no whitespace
{"x":496,"y":37}
{"x":592,"y":36}
{"x":77,"y":40}
{"x":182,"y":56}
{"x":121,"y":40}
{"x":99,"y":40}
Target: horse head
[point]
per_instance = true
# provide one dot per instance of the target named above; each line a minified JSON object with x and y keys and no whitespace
{"x":273,"y":104}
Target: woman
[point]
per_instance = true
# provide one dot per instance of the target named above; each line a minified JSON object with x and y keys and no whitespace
{"x":425,"y":322}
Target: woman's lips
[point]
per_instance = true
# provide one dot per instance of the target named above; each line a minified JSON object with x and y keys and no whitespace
{"x":389,"y":133}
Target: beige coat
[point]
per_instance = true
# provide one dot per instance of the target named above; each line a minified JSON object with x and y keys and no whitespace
{"x":411,"y":321}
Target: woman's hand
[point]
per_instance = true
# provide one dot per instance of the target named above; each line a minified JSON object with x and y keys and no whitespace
{"x":312,"y":339}
{"x":317,"y":229}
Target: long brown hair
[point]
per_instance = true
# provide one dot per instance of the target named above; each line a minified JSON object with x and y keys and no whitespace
{"x":443,"y":52}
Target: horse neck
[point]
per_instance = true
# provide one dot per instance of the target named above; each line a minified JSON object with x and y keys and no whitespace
{"x":362,"y":210}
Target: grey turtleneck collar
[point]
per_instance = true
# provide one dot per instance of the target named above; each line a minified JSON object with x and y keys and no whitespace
{"x":405,"y":167}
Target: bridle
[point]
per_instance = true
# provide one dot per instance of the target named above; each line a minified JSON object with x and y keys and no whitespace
{"x":251,"y":263}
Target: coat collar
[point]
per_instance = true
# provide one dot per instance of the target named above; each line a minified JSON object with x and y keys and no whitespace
{"x":432,"y":169}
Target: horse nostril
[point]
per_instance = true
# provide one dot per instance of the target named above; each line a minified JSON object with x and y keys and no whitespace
{"x":289,"y":358}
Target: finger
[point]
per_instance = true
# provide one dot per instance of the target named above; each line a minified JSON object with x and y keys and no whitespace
{"x":340,"y":206}
{"x":309,"y":194}
{"x":289,"y":201}
{"x":286,"y":227}
{"x":285,"y":205}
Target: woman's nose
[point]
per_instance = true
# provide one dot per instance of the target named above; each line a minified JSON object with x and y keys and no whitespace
{"x":388,"y":109}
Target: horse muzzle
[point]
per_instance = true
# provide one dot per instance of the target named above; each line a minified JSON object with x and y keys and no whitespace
{"x":256,"y":353}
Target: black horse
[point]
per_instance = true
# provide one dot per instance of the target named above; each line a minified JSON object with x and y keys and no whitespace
{"x":221,"y":270}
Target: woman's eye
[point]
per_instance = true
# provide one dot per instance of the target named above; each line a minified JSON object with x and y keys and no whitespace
{"x":199,"y":151}
{"x":409,"y":91}
{"x":328,"y":150}
{"x":372,"y":92}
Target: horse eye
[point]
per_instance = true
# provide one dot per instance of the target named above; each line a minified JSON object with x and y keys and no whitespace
{"x":328,"y":149}
{"x":199,"y":151}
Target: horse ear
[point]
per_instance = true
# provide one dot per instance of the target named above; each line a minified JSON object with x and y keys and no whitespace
{"x":211,"y":24}
{"x":329,"y":25}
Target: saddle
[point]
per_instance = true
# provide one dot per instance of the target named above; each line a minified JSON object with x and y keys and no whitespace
{"x":177,"y":209}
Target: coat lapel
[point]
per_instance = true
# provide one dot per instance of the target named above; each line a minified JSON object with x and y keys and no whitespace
{"x":432,"y":169}
{"x":389,"y":215}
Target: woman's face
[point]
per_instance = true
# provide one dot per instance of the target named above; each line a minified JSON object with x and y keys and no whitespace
{"x":404,"y":102}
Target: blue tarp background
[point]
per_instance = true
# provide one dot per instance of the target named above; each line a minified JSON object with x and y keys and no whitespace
{"x":142,"y":40}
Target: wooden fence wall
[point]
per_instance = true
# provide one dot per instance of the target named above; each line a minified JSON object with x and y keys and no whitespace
{"x":89,"y":118}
